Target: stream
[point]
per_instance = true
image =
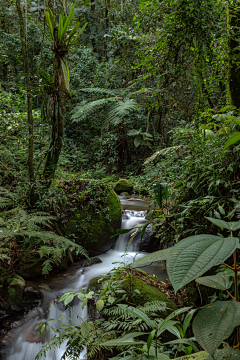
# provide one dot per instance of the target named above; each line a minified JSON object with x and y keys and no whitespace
{"x":24,"y":342}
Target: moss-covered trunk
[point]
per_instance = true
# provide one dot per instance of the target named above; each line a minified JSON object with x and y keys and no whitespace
{"x":57,"y":103}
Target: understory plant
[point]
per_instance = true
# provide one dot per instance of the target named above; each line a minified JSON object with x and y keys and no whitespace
{"x":188,"y":260}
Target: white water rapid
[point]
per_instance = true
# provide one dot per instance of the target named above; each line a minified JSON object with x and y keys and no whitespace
{"x":27,"y":342}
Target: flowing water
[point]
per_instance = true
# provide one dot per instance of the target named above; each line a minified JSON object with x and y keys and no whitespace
{"x":25,"y":342}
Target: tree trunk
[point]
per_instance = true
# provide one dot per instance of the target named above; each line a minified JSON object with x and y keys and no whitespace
{"x":29,"y":93}
{"x":233,"y":19}
{"x":57,"y":103}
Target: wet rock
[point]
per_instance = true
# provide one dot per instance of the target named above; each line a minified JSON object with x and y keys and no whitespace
{"x":148,"y":243}
{"x":94,"y":285}
{"x":3,"y":315}
{"x":123,"y":186}
{"x":91,"y":262}
{"x":31,"y":295}
{"x":15,"y":292}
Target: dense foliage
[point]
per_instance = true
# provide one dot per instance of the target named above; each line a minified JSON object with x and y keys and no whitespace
{"x":148,"y":90}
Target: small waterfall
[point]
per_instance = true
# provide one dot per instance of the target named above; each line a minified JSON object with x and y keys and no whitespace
{"x":28,"y":341}
{"x":130,"y":219}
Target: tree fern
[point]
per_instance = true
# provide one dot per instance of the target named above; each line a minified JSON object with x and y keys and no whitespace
{"x":82,"y":112}
{"x":28,"y":228}
{"x":119,"y":110}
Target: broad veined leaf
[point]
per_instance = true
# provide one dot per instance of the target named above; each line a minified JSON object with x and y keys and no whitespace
{"x":68,"y":299}
{"x":195,"y":255}
{"x":227,"y":354}
{"x":85,"y":329}
{"x":187,"y":320}
{"x":156,"y":256}
{"x":100,"y":304}
{"x":219,"y":281}
{"x":183,"y":341}
{"x":133,"y":132}
{"x":231,"y":226}
{"x":160,"y":192}
{"x":214,"y":323}
{"x":220,"y":223}
{"x":234,"y":138}
{"x":137,"y":140}
{"x":234,"y":225}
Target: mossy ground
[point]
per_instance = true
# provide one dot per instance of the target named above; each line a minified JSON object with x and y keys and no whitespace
{"x":141,"y":281}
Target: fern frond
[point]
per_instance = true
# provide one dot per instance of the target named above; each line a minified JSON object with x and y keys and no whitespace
{"x":163,"y":152}
{"x":81,"y":112}
{"x":119,"y":110}
{"x":154,"y":306}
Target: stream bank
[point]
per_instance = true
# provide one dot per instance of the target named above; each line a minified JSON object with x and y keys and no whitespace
{"x":22,"y":342}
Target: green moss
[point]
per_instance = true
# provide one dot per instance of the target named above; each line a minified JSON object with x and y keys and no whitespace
{"x":148,"y":292}
{"x":94,"y":228}
{"x":94,"y":285}
{"x":123,"y":185}
{"x":15,"y":292}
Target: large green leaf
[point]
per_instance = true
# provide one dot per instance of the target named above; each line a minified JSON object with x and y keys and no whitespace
{"x":227,"y":354}
{"x":160,"y":192}
{"x":220,"y":223}
{"x":219,"y":281}
{"x":234,"y":138}
{"x":214,"y":323}
{"x":156,"y":256}
{"x":231,"y":226}
{"x":195,"y":255}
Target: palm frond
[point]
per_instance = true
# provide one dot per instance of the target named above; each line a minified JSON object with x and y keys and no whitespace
{"x":100,"y":91}
{"x":163,"y":152}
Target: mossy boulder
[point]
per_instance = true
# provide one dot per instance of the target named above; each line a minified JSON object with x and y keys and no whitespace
{"x":91,"y":214}
{"x":15,"y":292}
{"x":123,"y":185}
{"x":147,"y":286}
{"x":30,"y":266}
